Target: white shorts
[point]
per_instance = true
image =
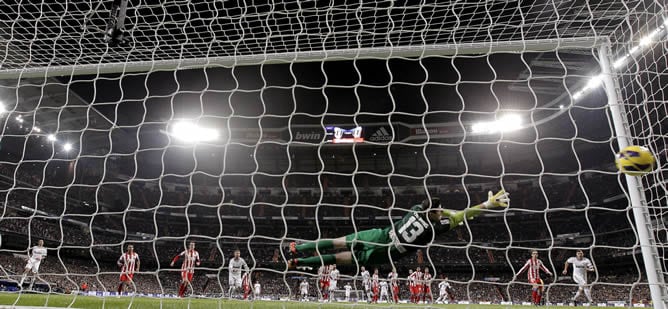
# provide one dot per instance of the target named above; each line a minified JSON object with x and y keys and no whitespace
{"x":235,"y":281}
{"x":33,"y":265}
{"x":332,"y":285}
{"x":580,"y":280}
{"x":304,"y":292}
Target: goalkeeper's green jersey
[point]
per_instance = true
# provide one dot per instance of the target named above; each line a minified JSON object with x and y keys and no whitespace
{"x":411,"y":232}
{"x":415,"y":231}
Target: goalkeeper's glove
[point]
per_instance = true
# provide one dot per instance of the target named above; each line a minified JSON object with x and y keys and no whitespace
{"x":500,"y":199}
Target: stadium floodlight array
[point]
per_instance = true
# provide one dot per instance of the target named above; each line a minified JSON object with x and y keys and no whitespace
{"x":251,"y":126}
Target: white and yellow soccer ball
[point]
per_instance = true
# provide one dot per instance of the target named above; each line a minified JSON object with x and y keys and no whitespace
{"x":635,"y":160}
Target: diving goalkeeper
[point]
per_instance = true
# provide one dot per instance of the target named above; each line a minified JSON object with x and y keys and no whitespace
{"x":415,"y":230}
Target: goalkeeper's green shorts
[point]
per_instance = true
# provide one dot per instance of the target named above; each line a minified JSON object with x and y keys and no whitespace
{"x":371,"y":247}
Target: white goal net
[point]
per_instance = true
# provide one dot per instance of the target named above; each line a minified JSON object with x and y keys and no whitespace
{"x":249,"y":125}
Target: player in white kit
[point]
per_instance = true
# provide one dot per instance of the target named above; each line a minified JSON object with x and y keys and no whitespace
{"x":256,"y":290}
{"x":383,"y":291}
{"x":581,"y":265}
{"x":347,"y":288}
{"x":37,"y":255}
{"x":303,"y":288}
{"x":333,"y":279}
{"x":237,"y":263}
{"x":443,"y":291}
{"x":366,"y":282}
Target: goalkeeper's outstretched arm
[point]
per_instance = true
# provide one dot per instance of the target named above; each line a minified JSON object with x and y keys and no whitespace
{"x":500,"y":199}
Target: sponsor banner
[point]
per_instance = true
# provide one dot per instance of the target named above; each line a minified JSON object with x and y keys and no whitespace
{"x":254,"y":135}
{"x":382,"y":134}
{"x":307,"y":135}
{"x":436,"y":130}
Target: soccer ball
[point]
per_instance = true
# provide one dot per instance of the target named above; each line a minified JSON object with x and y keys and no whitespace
{"x":635,"y":160}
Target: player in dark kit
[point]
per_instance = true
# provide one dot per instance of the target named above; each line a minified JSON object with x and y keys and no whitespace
{"x":416,"y":229}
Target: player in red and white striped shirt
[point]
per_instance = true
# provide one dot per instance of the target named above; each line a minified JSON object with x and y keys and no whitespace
{"x":323,"y":273}
{"x":412,"y":283}
{"x":426,"y":286}
{"x":418,"y":284}
{"x":246,"y":284}
{"x":533,"y":267}
{"x":129,"y":263}
{"x":375,"y":285}
{"x":190,"y":260}
{"x":393,"y":277}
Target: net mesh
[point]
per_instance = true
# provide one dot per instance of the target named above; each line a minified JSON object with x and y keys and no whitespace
{"x":92,"y":163}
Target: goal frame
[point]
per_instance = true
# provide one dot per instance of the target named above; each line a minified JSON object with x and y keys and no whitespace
{"x":599,"y":44}
{"x":305,"y":56}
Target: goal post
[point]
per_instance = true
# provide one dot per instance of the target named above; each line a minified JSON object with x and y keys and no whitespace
{"x":646,"y":237}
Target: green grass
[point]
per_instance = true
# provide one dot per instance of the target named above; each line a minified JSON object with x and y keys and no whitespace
{"x":72,"y":301}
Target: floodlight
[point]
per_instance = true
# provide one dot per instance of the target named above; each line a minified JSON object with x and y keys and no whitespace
{"x":619,"y":62}
{"x":506,"y":123}
{"x":190,"y":132}
{"x":67,"y":147}
{"x":649,"y":38}
{"x":594,"y":81}
{"x":510,"y":122}
{"x":51,"y":137}
{"x":36,"y":129}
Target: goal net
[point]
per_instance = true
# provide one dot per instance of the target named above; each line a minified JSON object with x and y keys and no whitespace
{"x":250,"y":125}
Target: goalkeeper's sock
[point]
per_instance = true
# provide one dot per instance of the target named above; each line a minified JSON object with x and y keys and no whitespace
{"x":182,"y":289}
{"x":315,"y":245}
{"x":534,"y":295}
{"x":326,"y":259}
{"x":120,"y":288}
{"x":23,"y":278}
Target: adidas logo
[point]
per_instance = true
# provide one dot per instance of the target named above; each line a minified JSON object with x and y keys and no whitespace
{"x":381,"y":135}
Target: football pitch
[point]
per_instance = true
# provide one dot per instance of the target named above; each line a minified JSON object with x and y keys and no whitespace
{"x":8,"y":300}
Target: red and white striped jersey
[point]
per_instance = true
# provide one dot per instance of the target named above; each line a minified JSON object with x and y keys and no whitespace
{"x":190,"y":260}
{"x":323,"y":271}
{"x":412,"y":279}
{"x":533,"y":268}
{"x":419,"y":277}
{"x":245,"y":280}
{"x":426,"y":278}
{"x":128,"y":262}
{"x":374,"y":280}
